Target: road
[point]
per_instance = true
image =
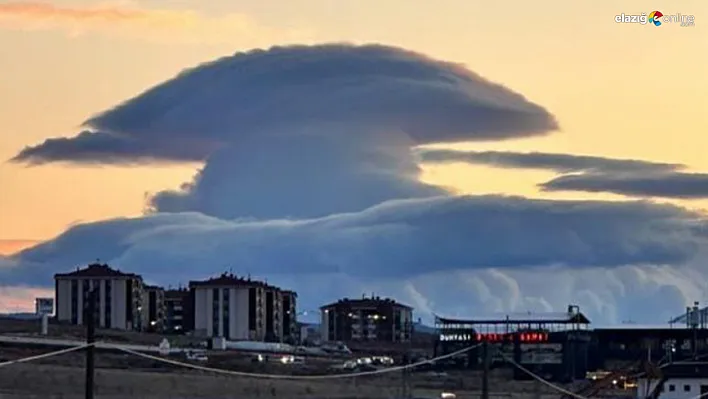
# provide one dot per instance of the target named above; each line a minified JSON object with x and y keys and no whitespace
{"x":11,"y":339}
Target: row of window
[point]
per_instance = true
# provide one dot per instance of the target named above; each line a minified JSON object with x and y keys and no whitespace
{"x":86,"y":286}
{"x":672,"y":388}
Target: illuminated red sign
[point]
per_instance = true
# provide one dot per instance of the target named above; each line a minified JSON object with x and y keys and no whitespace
{"x":533,"y":337}
{"x":523,"y":337}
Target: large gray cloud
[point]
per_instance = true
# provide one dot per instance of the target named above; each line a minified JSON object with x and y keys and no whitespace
{"x":328,"y":127}
{"x":235,"y":99}
{"x":401,"y":240}
{"x":630,"y":177}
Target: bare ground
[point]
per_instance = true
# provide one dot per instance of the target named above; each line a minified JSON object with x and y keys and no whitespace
{"x":29,"y":381}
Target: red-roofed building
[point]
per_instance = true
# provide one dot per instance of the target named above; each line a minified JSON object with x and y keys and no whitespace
{"x":119,"y":296}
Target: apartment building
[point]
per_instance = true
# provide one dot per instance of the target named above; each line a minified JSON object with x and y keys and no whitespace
{"x":153,"y":308}
{"x":119,"y":297}
{"x":178,"y":311}
{"x":238,"y":308}
{"x":366,"y":319}
{"x":291,"y":330}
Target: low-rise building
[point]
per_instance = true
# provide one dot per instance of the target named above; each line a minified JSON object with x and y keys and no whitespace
{"x":366,"y":319}
{"x":238,"y":308}
{"x":119,"y":297}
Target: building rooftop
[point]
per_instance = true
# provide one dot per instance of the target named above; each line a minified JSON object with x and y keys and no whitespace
{"x":365,"y":302}
{"x":519,"y":318}
{"x":96,"y":270}
{"x":230,"y":280}
{"x":685,"y":370}
{"x":176,"y":293}
{"x":633,"y":326}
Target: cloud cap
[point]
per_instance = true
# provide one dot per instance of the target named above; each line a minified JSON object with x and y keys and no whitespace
{"x":373,"y":87}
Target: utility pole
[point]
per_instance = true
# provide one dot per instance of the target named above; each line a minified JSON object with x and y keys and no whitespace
{"x":485,"y":370}
{"x":90,"y":339}
{"x":537,"y":360}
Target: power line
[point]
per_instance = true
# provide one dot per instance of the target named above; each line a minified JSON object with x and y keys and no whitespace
{"x":44,"y":356}
{"x":541,"y":379}
{"x":304,"y":377}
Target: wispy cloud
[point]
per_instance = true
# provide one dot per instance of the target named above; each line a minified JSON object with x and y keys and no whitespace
{"x":162,"y":24}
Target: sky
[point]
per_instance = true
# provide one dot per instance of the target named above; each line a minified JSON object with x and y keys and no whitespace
{"x":613,"y":91}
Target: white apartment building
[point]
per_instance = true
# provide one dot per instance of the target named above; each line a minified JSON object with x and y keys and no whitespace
{"x":119,"y":301}
{"x":238,"y":309}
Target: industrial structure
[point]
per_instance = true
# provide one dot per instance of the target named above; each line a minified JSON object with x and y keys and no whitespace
{"x":550,"y":344}
{"x":562,"y":346}
{"x":366,"y":319}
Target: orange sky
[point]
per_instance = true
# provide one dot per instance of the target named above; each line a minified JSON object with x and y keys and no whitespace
{"x":618,"y":90}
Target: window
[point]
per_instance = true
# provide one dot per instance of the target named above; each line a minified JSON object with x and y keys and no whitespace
{"x":74,"y":302}
{"x":215,"y":312}
{"x":687,"y":388}
{"x":672,"y":388}
{"x":225,"y":299}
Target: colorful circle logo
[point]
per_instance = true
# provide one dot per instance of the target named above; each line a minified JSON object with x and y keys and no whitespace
{"x":654,"y":18}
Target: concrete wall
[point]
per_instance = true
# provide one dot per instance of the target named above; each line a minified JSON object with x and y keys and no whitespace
{"x":324,"y":326}
{"x":118,"y":298}
{"x":63,"y":299}
{"x":238,"y":312}
{"x":684,"y":388}
{"x":239,"y":317}
{"x":202,"y":312}
{"x":679,"y":388}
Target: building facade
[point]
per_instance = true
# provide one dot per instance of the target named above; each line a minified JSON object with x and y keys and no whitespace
{"x":238,"y":309}
{"x":291,"y":331}
{"x":178,"y":311}
{"x":153,"y":315}
{"x":119,"y":297}
{"x":366,"y":319}
{"x":685,"y":380}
